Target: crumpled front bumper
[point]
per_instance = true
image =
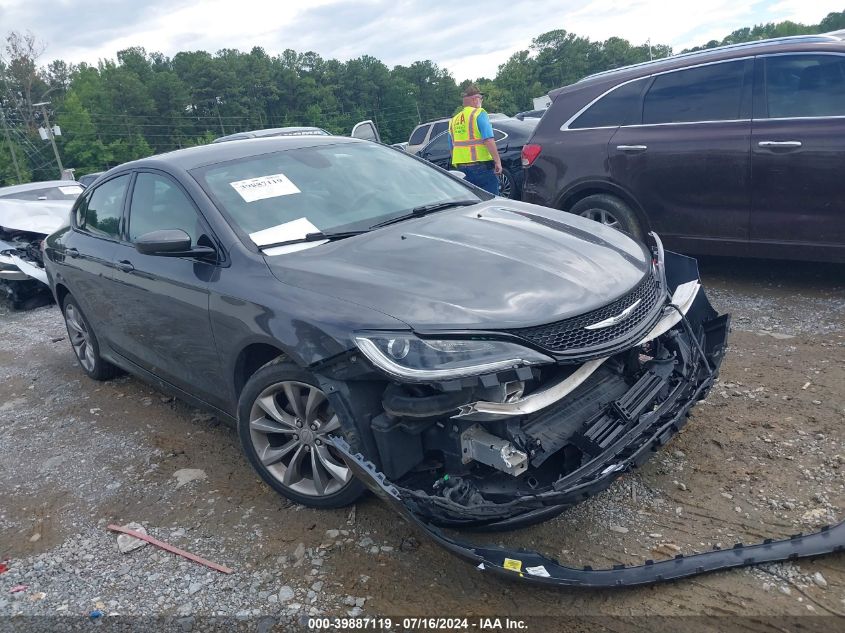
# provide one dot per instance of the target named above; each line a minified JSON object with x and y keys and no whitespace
{"x":631,"y":428}
{"x":529,"y":566}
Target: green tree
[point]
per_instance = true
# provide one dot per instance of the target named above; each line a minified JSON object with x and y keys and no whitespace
{"x":80,"y":146}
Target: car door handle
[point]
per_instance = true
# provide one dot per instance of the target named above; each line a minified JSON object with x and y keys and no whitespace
{"x":632,"y":148}
{"x":125,"y":266}
{"x":779,"y":144}
{"x":72,"y":252}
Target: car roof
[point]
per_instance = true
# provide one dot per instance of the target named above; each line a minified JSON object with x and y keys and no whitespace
{"x":33,"y":186}
{"x":272,"y":131}
{"x":510,"y":126}
{"x":202,"y":155}
{"x":798,"y":43}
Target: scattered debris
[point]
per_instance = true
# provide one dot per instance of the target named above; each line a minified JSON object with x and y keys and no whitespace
{"x":409,"y":544}
{"x":806,"y":384}
{"x":126,"y":543}
{"x":816,"y":516}
{"x":18,"y":588}
{"x":775,"y":335}
{"x":187,"y":475}
{"x":170,"y":548}
{"x":35,"y":537}
{"x":618,"y":529}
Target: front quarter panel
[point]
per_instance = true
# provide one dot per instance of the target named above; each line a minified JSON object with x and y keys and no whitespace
{"x":248,"y":305}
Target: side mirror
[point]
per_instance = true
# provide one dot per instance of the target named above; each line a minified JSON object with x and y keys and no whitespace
{"x":170,"y":243}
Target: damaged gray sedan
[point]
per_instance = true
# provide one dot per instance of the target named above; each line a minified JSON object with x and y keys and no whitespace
{"x":366,"y":319}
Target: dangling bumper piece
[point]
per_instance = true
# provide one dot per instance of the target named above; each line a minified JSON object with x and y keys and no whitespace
{"x":528,"y":566}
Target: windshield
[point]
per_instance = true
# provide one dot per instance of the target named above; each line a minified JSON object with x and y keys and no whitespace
{"x":328,"y":188}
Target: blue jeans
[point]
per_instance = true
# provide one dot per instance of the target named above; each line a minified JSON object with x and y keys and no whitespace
{"x":481,"y":176}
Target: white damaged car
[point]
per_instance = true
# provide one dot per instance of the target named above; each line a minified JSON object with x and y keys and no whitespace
{"x":28,"y":213}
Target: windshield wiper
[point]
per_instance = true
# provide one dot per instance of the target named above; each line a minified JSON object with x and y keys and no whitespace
{"x":426,"y":209}
{"x":315,"y":237}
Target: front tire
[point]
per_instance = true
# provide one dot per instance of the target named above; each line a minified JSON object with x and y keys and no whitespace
{"x":283,"y":421}
{"x":610,"y":211}
{"x":84,"y":342}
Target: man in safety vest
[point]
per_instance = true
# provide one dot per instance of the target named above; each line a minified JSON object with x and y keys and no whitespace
{"x":473,"y":146}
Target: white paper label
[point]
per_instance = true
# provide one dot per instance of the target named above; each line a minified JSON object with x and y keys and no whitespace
{"x":293,"y":230}
{"x":71,"y":190}
{"x":265,"y":187}
{"x":538,"y":571}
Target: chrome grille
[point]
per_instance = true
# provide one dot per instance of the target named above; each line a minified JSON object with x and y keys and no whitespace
{"x":569,"y":335}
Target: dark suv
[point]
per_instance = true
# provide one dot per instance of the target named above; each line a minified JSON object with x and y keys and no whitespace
{"x":738,"y":150}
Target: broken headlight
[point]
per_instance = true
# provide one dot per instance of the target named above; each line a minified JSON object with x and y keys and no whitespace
{"x":414,"y":359}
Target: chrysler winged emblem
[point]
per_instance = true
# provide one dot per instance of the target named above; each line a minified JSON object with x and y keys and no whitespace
{"x":614,"y":319}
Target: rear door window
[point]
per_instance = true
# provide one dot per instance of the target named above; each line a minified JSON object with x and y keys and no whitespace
{"x":619,"y":107}
{"x":418,"y":135}
{"x":706,"y":93}
{"x":100,"y":212}
{"x":805,"y":85}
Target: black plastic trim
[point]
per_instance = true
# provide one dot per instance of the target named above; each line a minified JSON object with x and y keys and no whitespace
{"x":515,"y":563}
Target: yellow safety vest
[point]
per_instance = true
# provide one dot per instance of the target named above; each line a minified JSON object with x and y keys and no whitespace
{"x":467,"y":144}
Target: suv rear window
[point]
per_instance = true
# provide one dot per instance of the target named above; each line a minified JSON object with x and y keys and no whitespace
{"x":618,"y":107}
{"x":805,"y":85}
{"x":418,"y":135}
{"x":706,"y":93}
{"x":439,"y":127}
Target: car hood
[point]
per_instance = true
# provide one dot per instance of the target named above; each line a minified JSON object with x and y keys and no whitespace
{"x":492,"y":265}
{"x":35,"y":216}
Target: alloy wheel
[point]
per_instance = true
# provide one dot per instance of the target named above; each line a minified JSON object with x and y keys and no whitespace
{"x":505,"y":185}
{"x":602,"y":216}
{"x":288,"y":425}
{"x":80,"y":338}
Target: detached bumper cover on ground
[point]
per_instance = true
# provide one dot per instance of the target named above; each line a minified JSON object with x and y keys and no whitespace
{"x":534,"y":567}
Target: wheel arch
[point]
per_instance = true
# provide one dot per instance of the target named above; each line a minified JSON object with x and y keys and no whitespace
{"x":575,"y":194}
{"x":61,"y":291}
{"x":253,"y":357}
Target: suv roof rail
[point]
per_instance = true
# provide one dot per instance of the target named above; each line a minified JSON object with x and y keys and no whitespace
{"x":821,"y":37}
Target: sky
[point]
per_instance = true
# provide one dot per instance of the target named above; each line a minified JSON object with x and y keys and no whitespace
{"x":470,"y":38}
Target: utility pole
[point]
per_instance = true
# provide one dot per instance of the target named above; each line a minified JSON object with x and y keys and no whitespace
{"x":50,"y":135}
{"x":11,"y":147}
{"x":219,"y":118}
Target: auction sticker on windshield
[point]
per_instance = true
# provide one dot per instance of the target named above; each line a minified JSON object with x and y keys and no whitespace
{"x":264,"y":187}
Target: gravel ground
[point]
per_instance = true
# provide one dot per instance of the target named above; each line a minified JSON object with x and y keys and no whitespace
{"x":762,"y":457}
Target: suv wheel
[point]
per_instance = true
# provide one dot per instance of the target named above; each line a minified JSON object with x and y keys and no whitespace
{"x":84,"y":342}
{"x":283,"y":421}
{"x":610,"y":211}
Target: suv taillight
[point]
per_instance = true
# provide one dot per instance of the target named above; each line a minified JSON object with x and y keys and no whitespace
{"x":530,"y":152}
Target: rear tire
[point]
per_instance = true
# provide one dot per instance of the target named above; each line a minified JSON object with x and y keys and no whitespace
{"x":84,"y":343}
{"x":283,"y":420}
{"x":610,"y":211}
{"x":507,"y":185}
